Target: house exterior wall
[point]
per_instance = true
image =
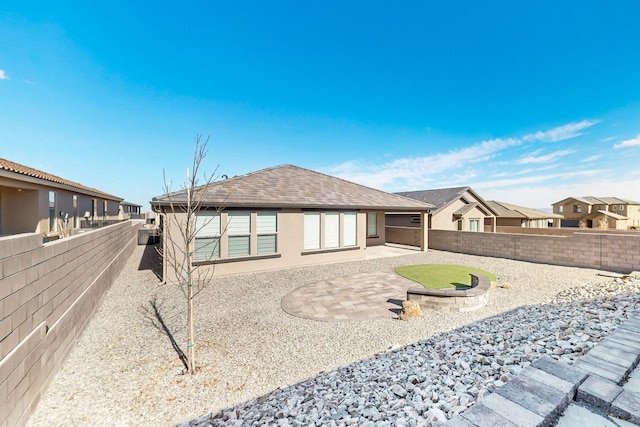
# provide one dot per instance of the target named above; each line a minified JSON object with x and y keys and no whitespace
{"x":14,"y":221}
{"x":539,"y":223}
{"x":608,"y":251}
{"x":48,"y":293}
{"x":24,"y":206}
{"x":290,"y":246}
{"x":612,"y":223}
{"x":380,"y":239}
{"x":444,"y":220}
{"x":632,"y":212}
{"x":474,"y":214}
{"x":84,"y":206}
{"x":570,"y":207}
{"x":509,"y":222}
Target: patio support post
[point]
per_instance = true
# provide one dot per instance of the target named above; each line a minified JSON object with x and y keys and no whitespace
{"x":424,"y":228}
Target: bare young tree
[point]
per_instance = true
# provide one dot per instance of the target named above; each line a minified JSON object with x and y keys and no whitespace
{"x":180,"y":229}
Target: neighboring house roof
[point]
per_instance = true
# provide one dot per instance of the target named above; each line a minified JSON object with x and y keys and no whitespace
{"x":26,"y":173}
{"x":590,"y":200}
{"x":466,"y":208}
{"x":443,"y":197}
{"x":609,"y":214}
{"x":508,"y":210}
{"x":296,"y":187}
{"x":123,"y":203}
{"x":617,"y":201}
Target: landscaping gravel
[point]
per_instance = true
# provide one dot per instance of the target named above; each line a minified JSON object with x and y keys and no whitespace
{"x":123,"y":371}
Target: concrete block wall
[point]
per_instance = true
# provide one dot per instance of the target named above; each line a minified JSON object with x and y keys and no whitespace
{"x":403,"y":235}
{"x":566,"y":231}
{"x":607,"y":251}
{"x":48,"y":293}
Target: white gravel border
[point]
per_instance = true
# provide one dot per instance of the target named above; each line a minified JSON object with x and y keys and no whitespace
{"x":122,"y":371}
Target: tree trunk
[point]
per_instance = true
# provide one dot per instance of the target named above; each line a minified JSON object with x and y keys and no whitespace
{"x":190,"y":338}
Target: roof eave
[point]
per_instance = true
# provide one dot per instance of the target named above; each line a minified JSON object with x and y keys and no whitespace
{"x":16,"y":176}
{"x":227,"y":205}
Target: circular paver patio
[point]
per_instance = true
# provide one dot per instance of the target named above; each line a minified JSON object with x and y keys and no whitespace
{"x":359,"y":296}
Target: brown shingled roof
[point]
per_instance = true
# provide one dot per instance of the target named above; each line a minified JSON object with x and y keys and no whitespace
{"x":293,"y":186}
{"x":590,"y":200}
{"x":19,"y":169}
{"x":443,"y":197}
{"x":508,"y":210}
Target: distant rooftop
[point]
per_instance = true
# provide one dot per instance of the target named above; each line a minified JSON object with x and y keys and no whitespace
{"x":590,"y":200}
{"x":508,"y":210}
{"x":443,"y":197}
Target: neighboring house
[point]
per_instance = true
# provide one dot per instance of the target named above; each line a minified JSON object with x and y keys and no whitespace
{"x":593,"y":212}
{"x":32,"y":201}
{"x":509,"y":215}
{"x":283,"y":216}
{"x":130,"y":211}
{"x":458,"y":208}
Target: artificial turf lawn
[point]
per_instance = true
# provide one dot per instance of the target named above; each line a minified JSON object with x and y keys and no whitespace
{"x":441,"y":276}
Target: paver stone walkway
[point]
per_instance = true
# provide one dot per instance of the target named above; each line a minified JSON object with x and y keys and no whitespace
{"x":359,"y":296}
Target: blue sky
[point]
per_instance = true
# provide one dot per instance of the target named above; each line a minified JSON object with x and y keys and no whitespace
{"x":527,"y":103}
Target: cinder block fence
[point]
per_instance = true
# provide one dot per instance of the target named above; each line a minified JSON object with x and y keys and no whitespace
{"x":606,"y":251}
{"x":48,"y":293}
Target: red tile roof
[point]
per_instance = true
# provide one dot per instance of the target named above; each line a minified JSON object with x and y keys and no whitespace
{"x":17,"y":168}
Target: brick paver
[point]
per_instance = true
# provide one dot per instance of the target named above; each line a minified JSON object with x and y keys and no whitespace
{"x":359,"y":296}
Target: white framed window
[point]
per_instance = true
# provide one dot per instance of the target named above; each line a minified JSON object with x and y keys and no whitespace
{"x":350,"y":235}
{"x":459,"y":225}
{"x":621,"y":208}
{"x":53,"y":224}
{"x":560,"y":209}
{"x":266,"y":229}
{"x":331,"y":230}
{"x":337,"y":229}
{"x":614,"y":207}
{"x":474,"y":225}
{"x":239,"y":233}
{"x":207,"y":236}
{"x":577,"y":209}
{"x":75,"y":211}
{"x":372,"y":224}
{"x":311,"y":230}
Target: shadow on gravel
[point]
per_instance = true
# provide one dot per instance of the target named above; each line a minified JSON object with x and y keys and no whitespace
{"x":153,"y":315}
{"x":151,"y":260}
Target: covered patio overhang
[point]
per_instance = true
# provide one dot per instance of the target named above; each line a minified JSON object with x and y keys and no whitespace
{"x":413,"y":232}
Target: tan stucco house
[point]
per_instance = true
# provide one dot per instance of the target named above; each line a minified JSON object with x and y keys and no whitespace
{"x":510,"y":215}
{"x":32,"y":201}
{"x":280,"y":217}
{"x":130,"y":210}
{"x":592,"y":212}
{"x":458,"y":208}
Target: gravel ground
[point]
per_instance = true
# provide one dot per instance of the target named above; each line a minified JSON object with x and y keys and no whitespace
{"x":124,"y":371}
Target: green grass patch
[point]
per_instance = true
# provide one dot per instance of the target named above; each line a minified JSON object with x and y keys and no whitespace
{"x":442,"y":276}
